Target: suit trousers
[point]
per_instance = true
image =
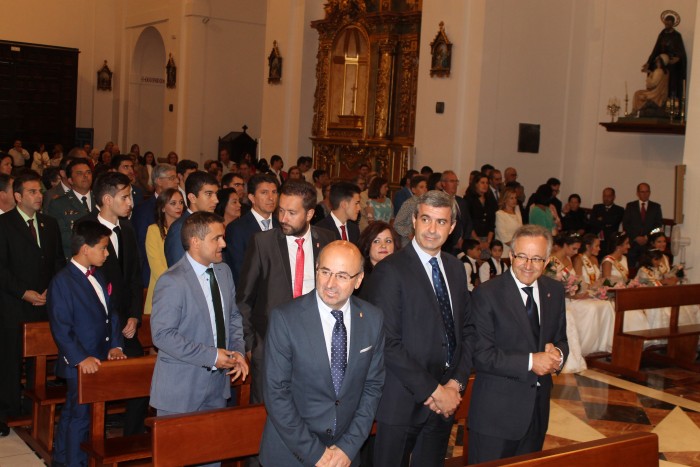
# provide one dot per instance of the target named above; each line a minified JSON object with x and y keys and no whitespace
{"x":73,"y":429}
{"x":483,"y":448}
{"x":135,"y":409}
{"x":423,"y":445}
{"x":257,"y":360}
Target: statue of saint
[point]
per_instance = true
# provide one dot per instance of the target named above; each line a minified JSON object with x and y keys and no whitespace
{"x":670,"y":43}
{"x":656,"y":90}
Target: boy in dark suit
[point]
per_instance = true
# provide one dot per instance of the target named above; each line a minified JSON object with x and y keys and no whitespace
{"x":86,"y":330}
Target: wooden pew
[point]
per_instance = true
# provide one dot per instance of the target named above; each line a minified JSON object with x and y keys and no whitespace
{"x":115,"y":380}
{"x":628,"y":347}
{"x":144,"y":335}
{"x":179,"y":440}
{"x":633,"y":449}
{"x":38,"y":345}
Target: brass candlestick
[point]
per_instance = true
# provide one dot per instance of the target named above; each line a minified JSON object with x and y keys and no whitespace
{"x":613,"y":108}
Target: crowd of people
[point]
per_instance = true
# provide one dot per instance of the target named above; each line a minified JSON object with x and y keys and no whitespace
{"x":241,"y":259}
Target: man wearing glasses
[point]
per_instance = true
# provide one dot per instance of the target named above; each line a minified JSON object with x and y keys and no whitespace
{"x":324,"y":368}
{"x":520,"y":321}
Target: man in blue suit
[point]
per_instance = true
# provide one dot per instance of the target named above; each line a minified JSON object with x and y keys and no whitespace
{"x":196,"y":325}
{"x":86,"y":330}
{"x":200,"y":188}
{"x":322,"y":390}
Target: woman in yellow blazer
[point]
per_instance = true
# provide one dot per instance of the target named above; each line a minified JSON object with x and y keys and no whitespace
{"x":169,"y":207}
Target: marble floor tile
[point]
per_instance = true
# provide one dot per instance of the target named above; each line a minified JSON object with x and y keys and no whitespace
{"x":616,"y":413}
{"x":12,"y":445}
{"x":677,"y":433}
{"x":22,"y":460}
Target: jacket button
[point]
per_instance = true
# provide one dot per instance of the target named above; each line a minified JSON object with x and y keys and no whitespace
{"x":329,"y":432}
{"x":337,"y":403}
{"x":107,"y":339}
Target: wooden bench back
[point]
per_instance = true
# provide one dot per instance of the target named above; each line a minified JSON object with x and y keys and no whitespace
{"x":116,"y":380}
{"x":657,"y":297}
{"x":637,"y":449}
{"x":144,"y":333}
{"x":179,"y":440}
{"x":38,"y":341}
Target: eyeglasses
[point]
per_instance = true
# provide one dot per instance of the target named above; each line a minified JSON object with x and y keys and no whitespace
{"x":536,"y":260}
{"x":342,"y":277}
{"x":172,"y":178}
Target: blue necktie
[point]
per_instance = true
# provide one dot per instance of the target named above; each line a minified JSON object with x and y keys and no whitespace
{"x":266,"y":224}
{"x":445,"y":309}
{"x":339,"y":345}
{"x":531,"y":308}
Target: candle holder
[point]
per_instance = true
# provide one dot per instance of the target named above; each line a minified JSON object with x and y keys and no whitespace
{"x":613,"y":108}
{"x":627,"y":99}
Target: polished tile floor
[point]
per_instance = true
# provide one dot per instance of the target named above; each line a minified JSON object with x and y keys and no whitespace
{"x":585,"y":407}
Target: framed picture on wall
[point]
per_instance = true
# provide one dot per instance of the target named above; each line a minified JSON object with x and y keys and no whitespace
{"x":275,"y":64}
{"x":441,"y":53}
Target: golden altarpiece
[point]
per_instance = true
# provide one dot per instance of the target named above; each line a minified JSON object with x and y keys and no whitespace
{"x":366,"y":85}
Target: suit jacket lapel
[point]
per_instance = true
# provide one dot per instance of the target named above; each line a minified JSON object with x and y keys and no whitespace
{"x":545,"y":306}
{"x":357,"y":330}
{"x":23,"y":228}
{"x":422,"y":278}
{"x":311,"y":322}
{"x":89,"y":291}
{"x":198,"y":294}
{"x":284,"y":256}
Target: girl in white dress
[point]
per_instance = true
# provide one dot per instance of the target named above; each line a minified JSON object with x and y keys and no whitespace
{"x":586,"y":263}
{"x":508,"y":218}
{"x":657,"y":240}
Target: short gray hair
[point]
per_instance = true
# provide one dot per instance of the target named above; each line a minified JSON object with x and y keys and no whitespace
{"x":531,"y":230}
{"x":437,"y":199}
{"x":160,"y":170}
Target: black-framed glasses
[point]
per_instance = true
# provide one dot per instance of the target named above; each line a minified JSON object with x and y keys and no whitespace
{"x":524,"y":259}
{"x":326,"y":273}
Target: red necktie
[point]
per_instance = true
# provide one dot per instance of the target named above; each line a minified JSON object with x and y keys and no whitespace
{"x":643,"y":211}
{"x":343,"y":234}
{"x":299,"y":269}
{"x":90,"y":271}
{"x":32,"y":230}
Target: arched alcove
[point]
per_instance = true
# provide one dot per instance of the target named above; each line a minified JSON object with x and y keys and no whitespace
{"x":147,"y":93}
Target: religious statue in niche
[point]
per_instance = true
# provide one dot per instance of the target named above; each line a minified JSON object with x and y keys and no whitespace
{"x":170,"y":73}
{"x":275,"y":63}
{"x":670,"y":43}
{"x":104,"y":78}
{"x":441,"y":53}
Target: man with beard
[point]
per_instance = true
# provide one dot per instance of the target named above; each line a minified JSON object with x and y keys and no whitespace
{"x":278,"y":266}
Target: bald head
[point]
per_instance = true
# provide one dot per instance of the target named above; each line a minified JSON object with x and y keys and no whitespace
{"x":339,"y":272}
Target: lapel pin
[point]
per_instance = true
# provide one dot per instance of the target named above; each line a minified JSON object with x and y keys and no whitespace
{"x":318,"y":245}
{"x":548,"y":295}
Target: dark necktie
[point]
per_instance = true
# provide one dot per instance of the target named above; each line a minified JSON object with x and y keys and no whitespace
{"x":532,"y":314}
{"x":32,"y":230}
{"x":120,"y":247}
{"x":218,"y":310}
{"x":443,"y":298}
{"x":85,"y":203}
{"x":339,"y":349}
{"x":343,"y":233}
{"x":90,"y":271}
{"x":643,"y":211}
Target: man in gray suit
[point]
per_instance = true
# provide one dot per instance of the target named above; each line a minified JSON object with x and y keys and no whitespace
{"x":320,"y":410}
{"x":196,"y":325}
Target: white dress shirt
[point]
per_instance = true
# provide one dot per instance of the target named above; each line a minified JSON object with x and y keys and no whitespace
{"x":328,"y":322}
{"x":425,"y":261}
{"x":113,"y":237}
{"x":260,"y":219}
{"x":95,"y":285}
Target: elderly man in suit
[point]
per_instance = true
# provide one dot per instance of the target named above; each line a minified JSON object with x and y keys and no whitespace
{"x":520,"y":321}
{"x":78,"y":202}
{"x":605,"y":219}
{"x":429,"y":339}
{"x":320,"y":410}
{"x":640,"y":218}
{"x":463,"y":225}
{"x":86,"y":330}
{"x":196,"y":325}
{"x":30,"y":255}
{"x":262,"y":195}
{"x":278,"y":266}
{"x":345,"y":207}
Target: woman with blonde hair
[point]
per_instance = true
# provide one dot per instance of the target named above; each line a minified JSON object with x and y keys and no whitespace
{"x":508,"y":218}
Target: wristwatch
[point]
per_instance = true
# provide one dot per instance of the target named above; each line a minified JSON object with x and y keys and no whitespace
{"x":461,"y":386}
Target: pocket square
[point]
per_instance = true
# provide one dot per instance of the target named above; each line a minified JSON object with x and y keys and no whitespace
{"x":365,"y":349}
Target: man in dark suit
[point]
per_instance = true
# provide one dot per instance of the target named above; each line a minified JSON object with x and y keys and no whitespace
{"x":640,"y":218}
{"x":30,"y":255}
{"x":7,"y":196}
{"x":605,"y":219}
{"x":78,"y":202}
{"x":520,"y":321}
{"x":124,"y":163}
{"x":163,"y":176}
{"x":201,"y":188}
{"x":262,"y":195}
{"x":196,"y":325}
{"x":321,"y":409}
{"x":86,"y":330}
{"x":62,"y":188}
{"x":345,"y":207}
{"x":122,"y":269}
{"x":278,"y":266}
{"x":276,"y":165}
{"x":463,"y":225}
{"x":429,"y":339}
